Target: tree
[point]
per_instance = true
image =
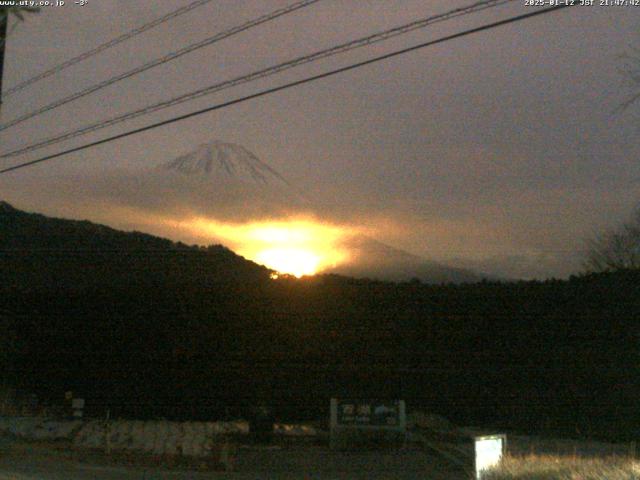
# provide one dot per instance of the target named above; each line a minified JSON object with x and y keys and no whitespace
{"x":17,"y":11}
{"x":7,"y":344}
{"x":619,"y":248}
{"x":616,"y":249}
{"x":631,"y":71}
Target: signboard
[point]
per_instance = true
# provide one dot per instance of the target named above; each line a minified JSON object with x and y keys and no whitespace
{"x":369,"y":413}
{"x":359,"y":421}
{"x":489,"y":450}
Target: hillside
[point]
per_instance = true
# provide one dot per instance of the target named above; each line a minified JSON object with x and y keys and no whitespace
{"x":38,"y":251}
{"x":376,"y":260}
{"x":150,"y":328}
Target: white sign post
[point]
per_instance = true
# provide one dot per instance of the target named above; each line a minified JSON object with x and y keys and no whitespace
{"x":489,"y":450}
{"x":77,"y":404}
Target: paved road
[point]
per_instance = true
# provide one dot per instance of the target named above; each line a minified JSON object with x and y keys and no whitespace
{"x":317,"y":463}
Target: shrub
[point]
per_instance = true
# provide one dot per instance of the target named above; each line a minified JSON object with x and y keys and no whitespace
{"x":549,"y":467}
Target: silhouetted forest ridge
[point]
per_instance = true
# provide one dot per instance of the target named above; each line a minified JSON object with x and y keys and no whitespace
{"x":151,"y":328}
{"x":39,"y":251}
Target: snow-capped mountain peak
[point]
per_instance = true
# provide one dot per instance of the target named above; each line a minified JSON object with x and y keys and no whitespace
{"x":225,"y":160}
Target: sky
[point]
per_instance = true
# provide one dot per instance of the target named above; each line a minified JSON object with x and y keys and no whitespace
{"x":501,"y":151}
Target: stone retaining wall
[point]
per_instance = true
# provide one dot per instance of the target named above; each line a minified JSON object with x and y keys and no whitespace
{"x":194,"y":439}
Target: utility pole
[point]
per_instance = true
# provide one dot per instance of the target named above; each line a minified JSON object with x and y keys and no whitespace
{"x":4,"y":22}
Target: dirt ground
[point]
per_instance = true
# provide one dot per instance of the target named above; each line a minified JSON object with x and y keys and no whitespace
{"x":22,"y":461}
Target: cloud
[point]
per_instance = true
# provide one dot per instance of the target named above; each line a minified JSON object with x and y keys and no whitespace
{"x":515,"y":233}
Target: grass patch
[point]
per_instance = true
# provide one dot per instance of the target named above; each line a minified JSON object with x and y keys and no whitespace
{"x":554,"y":467}
{"x":65,"y":451}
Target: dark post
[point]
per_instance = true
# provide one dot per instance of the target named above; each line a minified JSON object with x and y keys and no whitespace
{"x":4,"y":21}
{"x":261,"y":424}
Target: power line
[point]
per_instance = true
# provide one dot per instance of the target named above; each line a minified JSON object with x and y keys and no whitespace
{"x":291,"y":84}
{"x":105,"y":46}
{"x":321,"y":54}
{"x":159,"y":61}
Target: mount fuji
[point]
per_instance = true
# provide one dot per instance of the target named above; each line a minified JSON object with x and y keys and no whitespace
{"x":226,"y":161}
{"x":219,"y":179}
{"x":235,"y":180}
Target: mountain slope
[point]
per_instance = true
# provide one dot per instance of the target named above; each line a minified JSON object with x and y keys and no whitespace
{"x":376,"y":260}
{"x":224,"y":160}
{"x":217,"y":179}
{"x":164,"y":337}
{"x":36,"y":250}
{"x":250,"y":184}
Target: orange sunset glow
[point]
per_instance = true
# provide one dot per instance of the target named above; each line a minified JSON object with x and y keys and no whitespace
{"x":296,"y":247}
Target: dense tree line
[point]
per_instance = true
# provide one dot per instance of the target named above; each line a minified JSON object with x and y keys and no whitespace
{"x":150,"y":328}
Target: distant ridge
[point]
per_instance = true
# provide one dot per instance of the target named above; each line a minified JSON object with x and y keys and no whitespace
{"x":376,"y":260}
{"x":40,"y":247}
{"x":36,"y":250}
{"x":5,"y":207}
